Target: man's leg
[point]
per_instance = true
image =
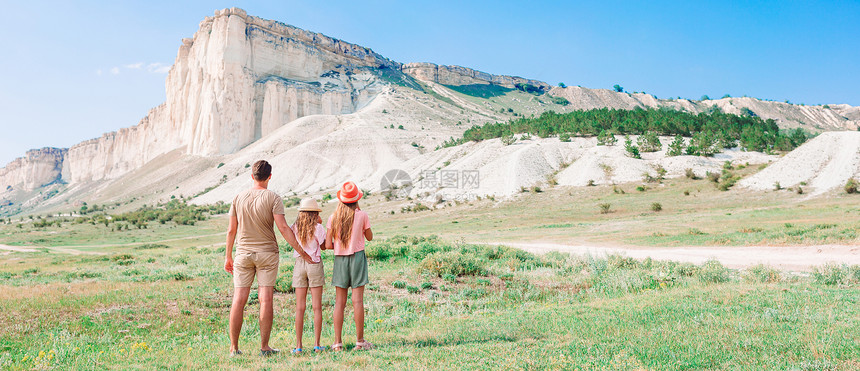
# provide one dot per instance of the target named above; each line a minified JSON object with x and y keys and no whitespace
{"x":358,"y":311}
{"x":265,"y":295}
{"x":237,"y":311}
{"x":301,"y":303}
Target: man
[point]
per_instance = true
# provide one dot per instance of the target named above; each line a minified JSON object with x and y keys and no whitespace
{"x":251,"y":217}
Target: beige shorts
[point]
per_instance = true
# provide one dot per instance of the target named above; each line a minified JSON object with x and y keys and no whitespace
{"x":262,"y":264}
{"x":308,"y":275}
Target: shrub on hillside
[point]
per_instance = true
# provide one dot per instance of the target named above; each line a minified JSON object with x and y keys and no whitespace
{"x":703,"y":143}
{"x":452,"y":262}
{"x":762,"y":273}
{"x":837,"y":274}
{"x":649,"y":142}
{"x":564,"y":137}
{"x":632,"y":151}
{"x":676,"y":148}
{"x":713,"y":271}
{"x":148,"y":246}
{"x":851,"y":186}
{"x":605,"y":208}
{"x":606,"y":138}
{"x":714,"y":177}
{"x":690,"y":174}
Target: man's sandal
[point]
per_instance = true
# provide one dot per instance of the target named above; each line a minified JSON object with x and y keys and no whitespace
{"x":337,"y":347}
{"x":319,"y":349}
{"x":296,"y":350}
{"x":270,"y":352}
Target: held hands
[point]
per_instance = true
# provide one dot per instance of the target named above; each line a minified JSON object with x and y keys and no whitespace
{"x":228,"y":265}
{"x":309,"y":259}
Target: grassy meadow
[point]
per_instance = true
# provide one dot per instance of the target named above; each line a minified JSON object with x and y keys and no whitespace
{"x":432,"y":304}
{"x":117,"y":296}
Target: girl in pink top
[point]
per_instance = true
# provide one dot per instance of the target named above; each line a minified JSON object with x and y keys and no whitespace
{"x":308,"y":275}
{"x":348,"y":228}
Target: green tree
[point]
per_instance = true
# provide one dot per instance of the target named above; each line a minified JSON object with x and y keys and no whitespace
{"x":562,"y":85}
{"x":564,"y":137}
{"x":649,"y":142}
{"x":703,"y":144}
{"x":632,"y":150}
{"x":618,"y":88}
{"x":676,"y":148}
{"x":705,"y":97}
{"x":606,"y":138}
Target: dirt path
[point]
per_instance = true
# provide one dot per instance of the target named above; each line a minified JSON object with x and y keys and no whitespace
{"x":60,"y":249}
{"x":795,"y":258}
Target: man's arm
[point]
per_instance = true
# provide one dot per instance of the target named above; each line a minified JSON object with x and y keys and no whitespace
{"x":231,"y":238}
{"x":368,"y":234}
{"x":281,"y":223}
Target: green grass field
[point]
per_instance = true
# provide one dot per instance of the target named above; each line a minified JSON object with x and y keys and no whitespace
{"x":433,"y":304}
{"x":157,"y":297}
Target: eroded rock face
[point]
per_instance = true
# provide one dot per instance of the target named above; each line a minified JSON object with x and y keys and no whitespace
{"x":240,"y":77}
{"x":457,"y":75}
{"x":37,"y":168}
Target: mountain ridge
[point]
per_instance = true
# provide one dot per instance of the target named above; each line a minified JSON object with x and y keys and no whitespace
{"x":241,"y":78}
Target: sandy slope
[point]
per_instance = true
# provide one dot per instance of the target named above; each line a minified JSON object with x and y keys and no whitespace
{"x":824,"y":163}
{"x":796,"y":258}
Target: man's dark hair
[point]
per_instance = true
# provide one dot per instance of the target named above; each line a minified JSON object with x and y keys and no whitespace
{"x":261,"y":170}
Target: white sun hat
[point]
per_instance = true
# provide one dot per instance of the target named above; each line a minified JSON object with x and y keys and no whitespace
{"x":309,"y":204}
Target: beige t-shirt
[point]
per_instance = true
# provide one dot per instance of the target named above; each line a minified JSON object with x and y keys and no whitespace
{"x":255,"y":209}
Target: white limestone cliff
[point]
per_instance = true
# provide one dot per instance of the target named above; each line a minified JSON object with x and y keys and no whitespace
{"x":37,"y":168}
{"x":457,"y":75}
{"x":239,"y":78}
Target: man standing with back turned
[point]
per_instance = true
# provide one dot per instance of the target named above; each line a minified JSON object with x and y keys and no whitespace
{"x":251,"y":217}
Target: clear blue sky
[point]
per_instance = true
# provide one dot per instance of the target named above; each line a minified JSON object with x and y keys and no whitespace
{"x":72,"y":70}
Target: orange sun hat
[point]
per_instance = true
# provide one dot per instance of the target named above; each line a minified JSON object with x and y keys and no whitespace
{"x":349,"y":193}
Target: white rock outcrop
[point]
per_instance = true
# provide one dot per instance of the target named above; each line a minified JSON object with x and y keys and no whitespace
{"x":823,"y":164}
{"x":457,"y":75}
{"x":37,"y":168}
{"x":240,"y":77}
{"x":244,"y":88}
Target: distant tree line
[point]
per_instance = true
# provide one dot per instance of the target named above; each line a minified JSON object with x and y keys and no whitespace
{"x":176,"y":211}
{"x":710,"y":131}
